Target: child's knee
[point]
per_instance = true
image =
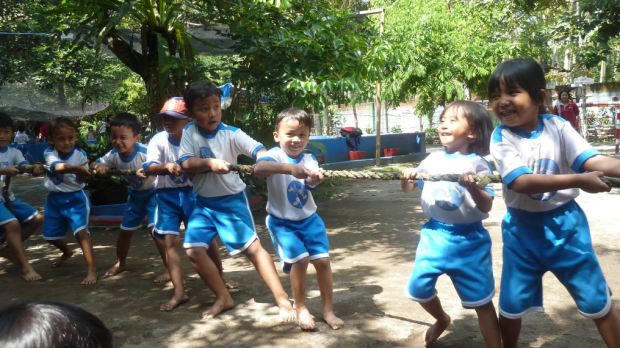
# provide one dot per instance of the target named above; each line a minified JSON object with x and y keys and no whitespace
{"x":12,"y":227}
{"x":195,"y":253}
{"x":82,"y":234}
{"x":322,"y":263}
{"x":254,"y":249}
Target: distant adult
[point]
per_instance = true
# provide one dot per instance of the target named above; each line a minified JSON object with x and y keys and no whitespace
{"x":21,"y":138}
{"x":44,"y":132}
{"x":91,"y":134}
{"x":567,"y":109}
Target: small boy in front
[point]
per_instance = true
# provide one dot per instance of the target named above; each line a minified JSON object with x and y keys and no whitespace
{"x":128,"y":153}
{"x":21,"y":220}
{"x":297,"y":231}
{"x":208,"y":146}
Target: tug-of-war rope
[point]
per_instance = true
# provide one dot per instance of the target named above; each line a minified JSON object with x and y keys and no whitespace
{"x":247,"y":171}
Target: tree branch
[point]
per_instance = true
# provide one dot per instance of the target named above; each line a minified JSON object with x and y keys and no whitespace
{"x":124,"y":51}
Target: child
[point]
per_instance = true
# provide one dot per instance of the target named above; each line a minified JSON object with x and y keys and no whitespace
{"x":538,"y":155}
{"x":21,"y":138}
{"x":454,"y":241}
{"x":18,"y":220}
{"x":67,"y":205}
{"x":175,"y":199}
{"x":221,"y":207}
{"x":128,"y":153}
{"x":297,"y":231}
{"x":91,"y":134}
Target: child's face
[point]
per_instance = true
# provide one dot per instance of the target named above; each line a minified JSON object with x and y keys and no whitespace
{"x":292,"y":136}
{"x":123,"y":140}
{"x":515,"y":108}
{"x":454,"y":131}
{"x":63,"y":139}
{"x":207,"y":112}
{"x":174,"y":126}
{"x":6,"y":133}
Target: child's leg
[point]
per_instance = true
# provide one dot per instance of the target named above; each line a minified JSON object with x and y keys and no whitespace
{"x":61,"y":244}
{"x":510,"y":328}
{"x":489,"y":326}
{"x":298,"y":283}
{"x":14,"y":240}
{"x":434,"y":308}
{"x":209,"y":274}
{"x":264,"y":265}
{"x":161,"y":247}
{"x":123,"y":243}
{"x":216,"y":257}
{"x":326,"y":285}
{"x":173,"y":264}
{"x":89,"y":254}
{"x":609,"y":328}
{"x":31,"y":226}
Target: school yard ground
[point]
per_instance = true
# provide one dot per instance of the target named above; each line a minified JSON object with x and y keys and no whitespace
{"x":373,"y":229}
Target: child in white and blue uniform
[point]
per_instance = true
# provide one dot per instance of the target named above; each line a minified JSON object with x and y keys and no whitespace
{"x":538,"y":156}
{"x":454,"y":241}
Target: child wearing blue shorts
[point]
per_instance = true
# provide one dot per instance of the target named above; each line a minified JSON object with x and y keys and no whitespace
{"x":18,"y":220}
{"x":453,"y":241}
{"x":208,"y":146}
{"x":128,"y":153}
{"x":297,"y":231}
{"x":67,"y":205}
{"x":175,"y":198}
{"x":539,"y":156}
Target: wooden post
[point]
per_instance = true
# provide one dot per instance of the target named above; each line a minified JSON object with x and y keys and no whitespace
{"x":355,"y":116}
{"x":378,"y":101}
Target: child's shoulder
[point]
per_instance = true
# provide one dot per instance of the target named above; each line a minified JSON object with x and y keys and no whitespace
{"x":141,"y":148}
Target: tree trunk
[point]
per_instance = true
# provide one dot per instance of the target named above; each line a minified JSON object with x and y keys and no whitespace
{"x":326,"y":114}
{"x":355,"y":117}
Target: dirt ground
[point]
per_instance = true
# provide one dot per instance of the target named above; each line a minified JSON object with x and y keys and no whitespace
{"x":373,"y":230}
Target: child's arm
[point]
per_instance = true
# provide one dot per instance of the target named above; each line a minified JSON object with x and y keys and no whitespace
{"x":483,"y":200}
{"x":407,"y":180}
{"x":103,"y":164}
{"x":266,"y":168}
{"x":608,"y":165}
{"x":201,"y":165}
{"x":163,"y":168}
{"x":64,"y":168}
{"x":541,"y":183}
{"x":9,"y":171}
{"x":101,"y":168}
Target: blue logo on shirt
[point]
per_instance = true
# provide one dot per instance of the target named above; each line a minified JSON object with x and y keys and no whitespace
{"x":297,"y":194}
{"x":56,"y":178}
{"x":206,"y":152}
{"x":449,"y":196}
{"x":548,"y":167}
{"x":178,"y":179}
{"x":134,"y":181}
{"x":2,"y":165}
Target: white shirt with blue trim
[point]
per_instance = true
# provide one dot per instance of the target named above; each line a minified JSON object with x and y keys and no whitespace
{"x":290,"y":198}
{"x":226,"y":143}
{"x":58,"y":182}
{"x":162,"y":149}
{"x":21,"y":138}
{"x":10,"y":156}
{"x":554,"y":147}
{"x":449,"y":202}
{"x":115,"y":159}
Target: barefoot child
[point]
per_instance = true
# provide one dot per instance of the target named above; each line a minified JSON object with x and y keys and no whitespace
{"x":454,"y":241}
{"x":175,"y":199}
{"x":297,"y":231}
{"x":67,"y":205}
{"x":221,"y":207}
{"x":21,"y":220}
{"x":538,"y":155}
{"x":128,"y":153}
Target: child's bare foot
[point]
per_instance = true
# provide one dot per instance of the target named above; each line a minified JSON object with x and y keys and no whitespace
{"x":91,"y":278}
{"x":230,"y":284}
{"x":164,"y":278}
{"x":305,"y":320}
{"x":175,"y":301}
{"x":287,"y":313}
{"x":116,"y":269}
{"x":220,"y":305}
{"x":432,"y":334}
{"x":64,"y":257}
{"x":31,"y":275}
{"x":333,"y":321}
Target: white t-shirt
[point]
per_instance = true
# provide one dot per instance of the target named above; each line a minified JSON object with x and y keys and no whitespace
{"x":290,"y":198}
{"x":553,"y":148}
{"x":115,"y":159}
{"x":226,"y":143}
{"x":57,"y":182}
{"x":449,"y":202}
{"x":162,"y":149}
{"x":21,"y":138}
{"x":10,"y":156}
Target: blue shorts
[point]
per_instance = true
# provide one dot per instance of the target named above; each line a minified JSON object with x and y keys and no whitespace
{"x":227,"y":216}
{"x":65,"y":210}
{"x":295,"y":240}
{"x":22,"y":212}
{"x":140,"y":204}
{"x":558,"y":241}
{"x":174,"y":205}
{"x":463,"y":252}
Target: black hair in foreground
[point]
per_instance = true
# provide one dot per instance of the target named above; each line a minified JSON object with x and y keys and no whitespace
{"x":125,"y":119}
{"x":294,"y":114}
{"x":479,"y":121}
{"x":6,"y":120}
{"x":199,"y":90}
{"x":524,"y":73}
{"x":60,"y":122}
{"x":51,"y":325}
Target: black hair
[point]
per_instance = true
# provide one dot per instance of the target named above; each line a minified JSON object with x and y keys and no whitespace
{"x":567,"y":91}
{"x":51,"y":325}
{"x":125,"y":119}
{"x":21,"y":128}
{"x":199,"y":90}
{"x":480,"y":123}
{"x":6,"y":120}
{"x":524,"y":73}
{"x":294,"y":114}
{"x":60,"y":122}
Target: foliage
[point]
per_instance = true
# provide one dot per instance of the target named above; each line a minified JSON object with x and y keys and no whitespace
{"x":431,"y":135}
{"x":396,"y":129}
